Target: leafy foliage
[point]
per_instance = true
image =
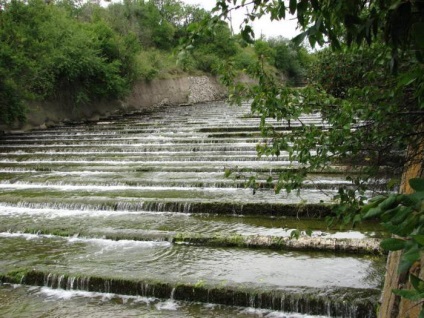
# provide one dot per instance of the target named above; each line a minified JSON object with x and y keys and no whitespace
{"x":45,"y":53}
{"x":397,"y":24}
{"x":210,"y":44}
{"x":291,"y":59}
{"x":403,"y":216}
{"x":356,"y":93}
{"x":368,"y":86}
{"x":11,"y":106}
{"x":338,"y":72}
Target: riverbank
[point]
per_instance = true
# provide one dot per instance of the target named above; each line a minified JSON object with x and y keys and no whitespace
{"x":144,"y":96}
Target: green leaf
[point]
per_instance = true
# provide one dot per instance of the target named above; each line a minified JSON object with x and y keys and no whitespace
{"x":417,"y":184}
{"x":408,"y":294}
{"x":312,"y":40}
{"x":419,"y":239}
{"x":292,"y":6}
{"x":393,"y":244}
{"x":227,"y":173}
{"x":302,"y":6}
{"x":418,"y":34}
{"x":421,"y":314}
{"x":282,"y":11}
{"x":357,"y":219}
{"x":315,"y":4}
{"x":404,"y":266}
{"x":377,"y":199}
{"x":295,"y":234}
{"x":372,"y":213}
{"x":407,"y":79}
{"x":395,"y":5}
{"x":247,"y":34}
{"x":408,"y":226}
{"x":417,"y":283}
{"x":388,"y":203}
{"x":298,"y":39}
{"x":400,"y":214}
{"x":415,"y":198}
{"x":412,"y":254}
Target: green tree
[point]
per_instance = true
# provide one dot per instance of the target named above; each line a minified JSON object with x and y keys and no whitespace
{"x":47,"y":52}
{"x":291,"y":59}
{"x":377,"y":113}
{"x":211,"y":47}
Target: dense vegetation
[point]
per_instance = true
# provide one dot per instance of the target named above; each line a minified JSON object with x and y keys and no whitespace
{"x":77,"y":53}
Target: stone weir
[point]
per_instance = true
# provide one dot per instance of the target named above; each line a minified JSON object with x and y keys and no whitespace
{"x":143,"y":205}
{"x":339,"y":302}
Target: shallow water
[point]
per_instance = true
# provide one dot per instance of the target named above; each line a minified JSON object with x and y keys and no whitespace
{"x":145,"y":178}
{"x":162,"y":224}
{"x":187,"y":264}
{"x":28,"y":302}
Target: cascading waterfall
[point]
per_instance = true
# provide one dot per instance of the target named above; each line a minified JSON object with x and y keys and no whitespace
{"x":139,"y":206}
{"x":308,"y":301}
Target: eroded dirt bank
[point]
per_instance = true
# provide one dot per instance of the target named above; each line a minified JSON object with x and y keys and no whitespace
{"x":144,"y":96}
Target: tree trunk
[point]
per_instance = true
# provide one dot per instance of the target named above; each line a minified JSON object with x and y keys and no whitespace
{"x":393,"y":306}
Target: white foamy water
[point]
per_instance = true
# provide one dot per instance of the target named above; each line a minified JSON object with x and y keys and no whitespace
{"x":252,"y":164}
{"x":108,"y":244}
{"x":62,"y":294}
{"x":122,"y":244}
{"x":86,"y":212}
{"x":26,"y":236}
{"x":170,"y":305}
{"x":67,"y":187}
{"x":275,"y":314}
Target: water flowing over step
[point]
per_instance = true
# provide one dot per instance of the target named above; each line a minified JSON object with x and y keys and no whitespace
{"x":48,"y":302}
{"x":278,"y":281}
{"x":335,"y":302}
{"x":139,"y":206}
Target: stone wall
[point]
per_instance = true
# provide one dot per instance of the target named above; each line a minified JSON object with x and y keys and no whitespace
{"x":204,"y":89}
{"x":144,"y":96}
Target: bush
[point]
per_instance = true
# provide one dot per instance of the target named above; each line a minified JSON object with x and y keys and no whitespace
{"x":337,"y":72}
{"x":45,"y":51}
{"x":151,"y":64}
{"x":244,"y":58}
{"x":11,"y":106}
{"x":290,"y":59}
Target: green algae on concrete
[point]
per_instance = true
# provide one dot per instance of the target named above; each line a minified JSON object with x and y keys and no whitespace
{"x":345,"y":302}
{"x":86,"y":200}
{"x":257,"y":209}
{"x":16,"y":276}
